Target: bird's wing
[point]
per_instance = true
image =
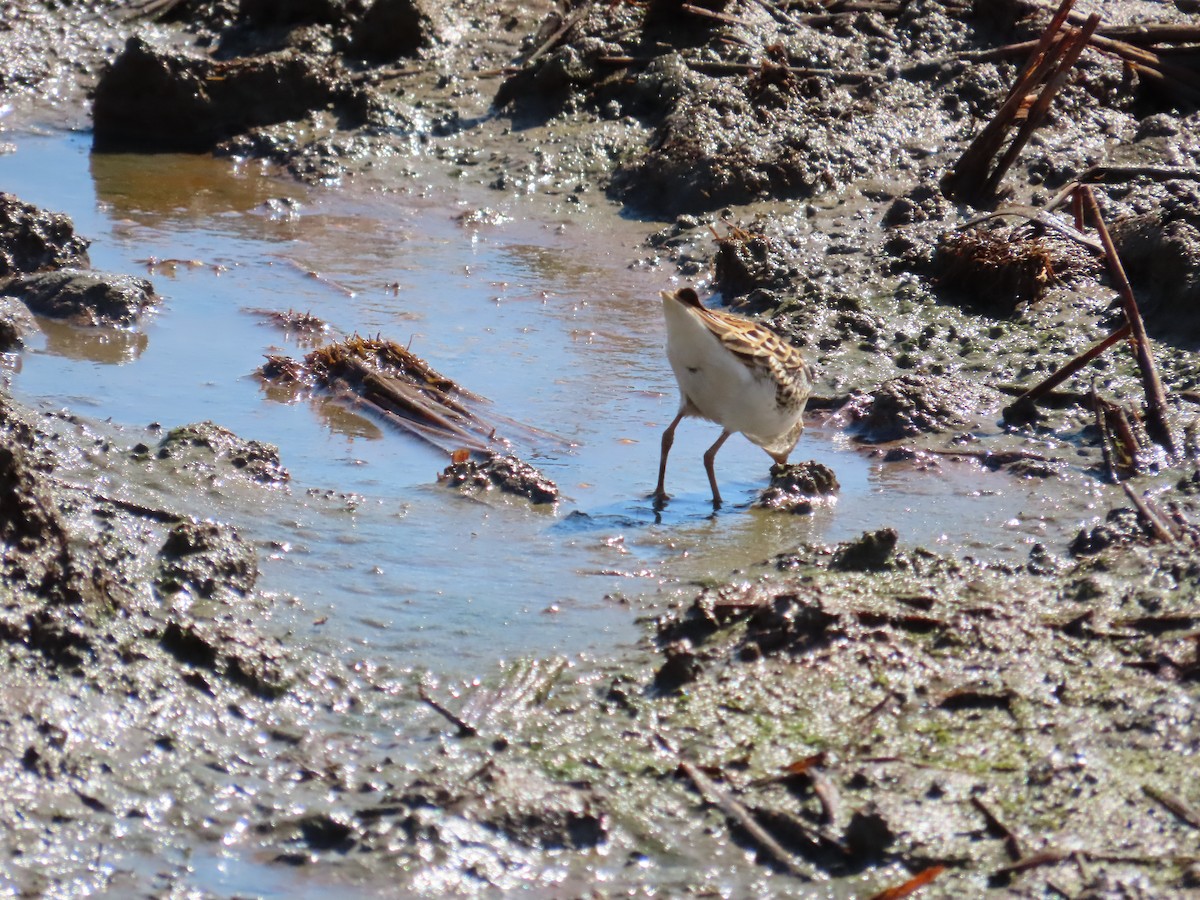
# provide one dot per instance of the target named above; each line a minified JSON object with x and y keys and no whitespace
{"x":756,"y":345}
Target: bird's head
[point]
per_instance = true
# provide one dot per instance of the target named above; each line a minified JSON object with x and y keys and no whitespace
{"x":685,"y":295}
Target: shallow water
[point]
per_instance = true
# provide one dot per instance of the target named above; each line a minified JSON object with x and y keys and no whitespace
{"x":529,"y":303}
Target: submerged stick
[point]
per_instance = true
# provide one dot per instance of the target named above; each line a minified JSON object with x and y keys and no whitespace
{"x":1156,"y":401}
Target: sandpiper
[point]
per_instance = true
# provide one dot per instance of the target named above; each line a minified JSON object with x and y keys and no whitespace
{"x":732,"y":371}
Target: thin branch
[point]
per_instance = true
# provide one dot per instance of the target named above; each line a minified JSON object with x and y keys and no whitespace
{"x":1054,"y":379}
{"x":465,"y":729}
{"x":1156,"y":401}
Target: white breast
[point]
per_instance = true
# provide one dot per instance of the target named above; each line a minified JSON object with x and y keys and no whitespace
{"x":716,"y":384}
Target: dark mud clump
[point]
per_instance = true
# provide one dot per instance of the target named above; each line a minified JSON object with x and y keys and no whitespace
{"x":798,"y":487}
{"x":162,"y":100}
{"x":394,"y":29}
{"x":1121,"y":526}
{"x":746,"y":262}
{"x":1160,"y":250}
{"x":871,"y":552}
{"x":34,"y":240}
{"x":204,"y":558}
{"x":270,"y":64}
{"x":912,"y":405}
{"x":16,"y":324}
{"x":84,"y":297}
{"x":44,"y":264}
{"x":36,"y":537}
{"x":508,"y":799}
{"x":211,"y":451}
{"x":507,"y":473}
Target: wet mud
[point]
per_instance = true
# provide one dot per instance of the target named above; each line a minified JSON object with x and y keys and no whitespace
{"x":837,"y":718}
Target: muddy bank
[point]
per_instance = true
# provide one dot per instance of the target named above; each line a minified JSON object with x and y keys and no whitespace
{"x":149,"y":705}
{"x":874,"y":709}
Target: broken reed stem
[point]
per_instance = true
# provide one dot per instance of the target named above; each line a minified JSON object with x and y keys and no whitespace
{"x":1072,"y":46}
{"x":1052,"y":28}
{"x":1156,"y":402}
{"x":971,"y":165}
{"x":1077,"y":210}
{"x":1148,"y":33}
{"x":1058,"y":377}
{"x":1148,"y":516}
{"x":1102,"y":430}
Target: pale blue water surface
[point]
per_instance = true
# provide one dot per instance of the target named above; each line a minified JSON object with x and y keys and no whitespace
{"x":535,"y":306}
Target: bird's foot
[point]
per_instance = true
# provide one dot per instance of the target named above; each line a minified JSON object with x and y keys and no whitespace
{"x":659,"y":499}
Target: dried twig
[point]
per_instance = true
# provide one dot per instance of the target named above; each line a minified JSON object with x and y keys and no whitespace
{"x":559,"y":33}
{"x":733,"y":68}
{"x":716,"y":16}
{"x":1053,"y":857}
{"x":1156,"y":402}
{"x":375,"y":76}
{"x":1054,"y":379}
{"x":735,"y":810}
{"x":1041,"y":216}
{"x":1033,"y":861}
{"x":1012,"y":844}
{"x":780,"y":14}
{"x":1181,"y":808}
{"x":465,"y":729}
{"x":1148,"y":515}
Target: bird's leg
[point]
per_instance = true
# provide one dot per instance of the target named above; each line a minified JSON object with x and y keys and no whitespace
{"x":668,"y":438}
{"x":709,"y":456}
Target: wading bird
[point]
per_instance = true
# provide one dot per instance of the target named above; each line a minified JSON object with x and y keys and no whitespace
{"x":734,"y":372}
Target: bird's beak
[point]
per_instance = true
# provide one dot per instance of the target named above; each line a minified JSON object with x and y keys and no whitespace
{"x":666,"y":295}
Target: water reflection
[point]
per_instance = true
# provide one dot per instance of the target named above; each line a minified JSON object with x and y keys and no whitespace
{"x":110,"y":346}
{"x":151,"y":188}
